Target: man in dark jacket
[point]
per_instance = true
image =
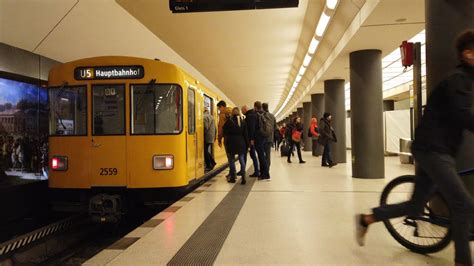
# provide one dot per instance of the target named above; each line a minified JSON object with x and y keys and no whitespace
{"x":437,"y":139}
{"x":270,"y":138}
{"x":258,"y":141}
{"x":250,"y":118}
{"x":326,"y":137}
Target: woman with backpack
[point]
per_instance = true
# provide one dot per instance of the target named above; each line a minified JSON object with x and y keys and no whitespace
{"x":294,"y":133}
{"x":326,"y":136}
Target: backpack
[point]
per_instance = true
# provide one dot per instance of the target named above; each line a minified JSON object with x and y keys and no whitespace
{"x":296,"y":135}
{"x":265,"y":124}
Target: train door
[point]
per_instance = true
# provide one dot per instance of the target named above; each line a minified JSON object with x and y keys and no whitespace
{"x":209,"y":105}
{"x":108,"y":142}
{"x":192,"y":142}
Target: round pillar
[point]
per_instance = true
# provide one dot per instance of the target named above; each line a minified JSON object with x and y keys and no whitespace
{"x":317,"y":109}
{"x":334,"y":102}
{"x":367,"y":114}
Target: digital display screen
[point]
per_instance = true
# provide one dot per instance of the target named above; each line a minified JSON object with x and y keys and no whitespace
{"x":109,"y":72}
{"x":186,"y":6}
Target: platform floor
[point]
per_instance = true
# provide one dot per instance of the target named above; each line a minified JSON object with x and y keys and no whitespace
{"x":305,"y":215}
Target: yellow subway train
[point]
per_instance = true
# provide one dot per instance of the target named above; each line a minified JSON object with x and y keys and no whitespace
{"x":125,"y":129}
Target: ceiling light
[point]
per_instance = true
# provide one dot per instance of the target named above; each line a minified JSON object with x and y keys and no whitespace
{"x":331,"y":4}
{"x":302,"y":70}
{"x":322,"y":24}
{"x":307,"y":60}
{"x":313,"y":46}
{"x":298,"y":78}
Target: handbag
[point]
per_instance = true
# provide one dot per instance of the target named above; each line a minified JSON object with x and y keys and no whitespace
{"x":296,"y":135}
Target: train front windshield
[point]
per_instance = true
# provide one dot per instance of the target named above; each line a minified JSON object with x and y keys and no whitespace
{"x":68,"y":111}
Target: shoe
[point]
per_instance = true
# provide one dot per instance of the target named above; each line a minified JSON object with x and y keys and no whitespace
{"x":302,"y":162}
{"x":243,"y":182}
{"x":332,"y":164}
{"x":254,"y":175}
{"x":288,"y":161}
{"x":231,"y":180}
{"x":324,"y":165}
{"x":360,"y":230}
{"x":239,"y":173}
{"x":264,"y":179}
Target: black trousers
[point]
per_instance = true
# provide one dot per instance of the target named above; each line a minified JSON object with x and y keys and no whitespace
{"x":438,"y":172}
{"x":314,"y":147}
{"x":327,"y":155}
{"x":298,"y":149}
{"x":209,"y":160}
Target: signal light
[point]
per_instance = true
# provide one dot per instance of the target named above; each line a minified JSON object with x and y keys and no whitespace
{"x":59,"y":163}
{"x":163,"y":162}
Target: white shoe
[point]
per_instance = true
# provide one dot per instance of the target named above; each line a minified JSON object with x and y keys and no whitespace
{"x":360,"y":230}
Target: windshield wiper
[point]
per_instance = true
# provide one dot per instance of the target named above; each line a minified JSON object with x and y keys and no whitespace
{"x":61,"y":90}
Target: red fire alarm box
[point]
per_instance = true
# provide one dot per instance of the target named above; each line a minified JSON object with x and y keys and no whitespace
{"x":406,"y":50}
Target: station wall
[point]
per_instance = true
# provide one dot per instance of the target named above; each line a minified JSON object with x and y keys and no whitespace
{"x":23,"y":113}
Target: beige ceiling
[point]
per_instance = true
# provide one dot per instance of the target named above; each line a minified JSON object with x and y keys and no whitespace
{"x":248,"y":54}
{"x":374,"y":26}
{"x":67,"y":30}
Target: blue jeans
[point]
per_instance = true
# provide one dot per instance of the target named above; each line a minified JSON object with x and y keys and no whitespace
{"x":230,"y":158}
{"x":327,"y":155}
{"x":262,"y":159}
{"x":253,"y":155}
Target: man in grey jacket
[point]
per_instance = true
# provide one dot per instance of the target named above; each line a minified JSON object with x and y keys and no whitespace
{"x":268,"y":145}
{"x":209,"y":139}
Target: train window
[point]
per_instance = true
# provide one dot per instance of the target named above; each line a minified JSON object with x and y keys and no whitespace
{"x":68,"y":111}
{"x":156,"y":109}
{"x":191,"y":111}
{"x":108,"y":109}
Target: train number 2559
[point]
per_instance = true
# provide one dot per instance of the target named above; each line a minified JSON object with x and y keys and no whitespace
{"x":108,"y":171}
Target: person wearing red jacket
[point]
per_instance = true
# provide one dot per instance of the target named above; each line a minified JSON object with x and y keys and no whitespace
{"x":313,"y":128}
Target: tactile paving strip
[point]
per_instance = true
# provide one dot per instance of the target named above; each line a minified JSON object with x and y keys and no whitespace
{"x":205,"y":244}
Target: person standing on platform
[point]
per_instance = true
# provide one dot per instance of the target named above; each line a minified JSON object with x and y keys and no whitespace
{"x":270,"y":125}
{"x":251,"y":118}
{"x":294,"y":133}
{"x":224,"y":114}
{"x":448,"y":112}
{"x":326,"y":137}
{"x":259,"y":141}
{"x":277,"y":138}
{"x":313,"y":132}
{"x":209,"y":138}
{"x":237,"y":143}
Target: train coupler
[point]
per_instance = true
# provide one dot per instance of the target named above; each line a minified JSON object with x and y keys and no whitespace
{"x":104,"y":208}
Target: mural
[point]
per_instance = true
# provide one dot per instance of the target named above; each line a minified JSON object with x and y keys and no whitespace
{"x":23,"y":129}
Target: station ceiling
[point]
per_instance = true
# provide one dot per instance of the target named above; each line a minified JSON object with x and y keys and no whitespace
{"x":248,"y":55}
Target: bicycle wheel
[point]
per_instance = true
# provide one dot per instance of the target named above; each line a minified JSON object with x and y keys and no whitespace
{"x":427,"y":233}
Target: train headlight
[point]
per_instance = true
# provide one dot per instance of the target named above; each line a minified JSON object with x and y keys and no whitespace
{"x":163,"y":162}
{"x":59,"y":163}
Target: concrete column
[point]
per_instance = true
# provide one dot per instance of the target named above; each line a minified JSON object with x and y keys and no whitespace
{"x":317,"y":105}
{"x":295,"y":114}
{"x":445,"y":20}
{"x":367,"y":114}
{"x":317,"y":109}
{"x":307,"y":122}
{"x":334,"y":102}
{"x":300,"y":112}
{"x":388,"y":105}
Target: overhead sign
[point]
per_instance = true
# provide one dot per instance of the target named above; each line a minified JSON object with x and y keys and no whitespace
{"x":186,"y":6}
{"x":109,"y":72}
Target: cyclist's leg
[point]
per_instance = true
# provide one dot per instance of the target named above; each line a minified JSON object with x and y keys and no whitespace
{"x":424,"y":187}
{"x":442,"y":169}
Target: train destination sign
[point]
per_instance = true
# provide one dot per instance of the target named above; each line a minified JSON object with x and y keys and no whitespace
{"x":109,"y":72}
{"x":186,"y":6}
